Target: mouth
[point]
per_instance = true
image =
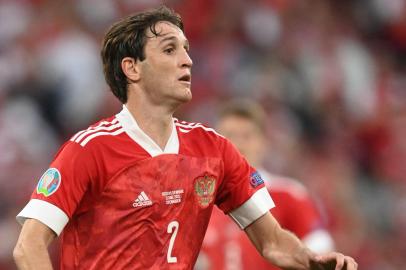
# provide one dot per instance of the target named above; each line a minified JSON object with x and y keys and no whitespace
{"x":187,"y":78}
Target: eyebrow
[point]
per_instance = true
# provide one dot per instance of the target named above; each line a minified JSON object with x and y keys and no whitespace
{"x":173,"y":38}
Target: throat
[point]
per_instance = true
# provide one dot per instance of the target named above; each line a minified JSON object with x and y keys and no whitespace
{"x":160,"y":140}
{"x":155,"y":122}
{"x":158,"y":131}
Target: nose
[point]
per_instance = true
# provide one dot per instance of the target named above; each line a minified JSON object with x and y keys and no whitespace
{"x":186,"y":60}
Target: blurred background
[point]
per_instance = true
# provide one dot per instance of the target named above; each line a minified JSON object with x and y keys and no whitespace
{"x":330,"y":74}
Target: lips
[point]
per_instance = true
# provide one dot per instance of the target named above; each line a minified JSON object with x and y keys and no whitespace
{"x":185,"y":78}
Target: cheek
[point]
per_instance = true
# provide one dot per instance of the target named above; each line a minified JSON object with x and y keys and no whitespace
{"x":155,"y":71}
{"x":164,"y":77}
{"x":159,"y":80}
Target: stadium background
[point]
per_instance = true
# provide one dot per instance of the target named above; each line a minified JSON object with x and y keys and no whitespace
{"x":331,"y":75}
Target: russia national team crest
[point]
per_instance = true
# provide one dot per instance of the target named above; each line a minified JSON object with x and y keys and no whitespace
{"x":49,"y":182}
{"x":204,"y":189}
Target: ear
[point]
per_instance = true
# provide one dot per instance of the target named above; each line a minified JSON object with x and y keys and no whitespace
{"x":131,"y":68}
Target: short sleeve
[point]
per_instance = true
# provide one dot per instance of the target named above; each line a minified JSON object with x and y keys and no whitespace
{"x":242,"y":193}
{"x":61,"y":188}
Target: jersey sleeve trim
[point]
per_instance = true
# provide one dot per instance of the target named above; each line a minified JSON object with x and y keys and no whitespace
{"x":45,"y":212}
{"x":319,"y":241}
{"x":256,"y":206}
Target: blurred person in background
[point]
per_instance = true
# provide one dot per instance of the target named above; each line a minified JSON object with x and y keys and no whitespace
{"x":224,"y":248}
{"x":136,"y":190}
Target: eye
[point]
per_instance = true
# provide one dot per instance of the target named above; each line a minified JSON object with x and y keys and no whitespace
{"x":169,"y":50}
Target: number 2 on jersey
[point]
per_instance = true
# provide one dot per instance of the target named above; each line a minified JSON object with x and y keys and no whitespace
{"x":173,"y":228}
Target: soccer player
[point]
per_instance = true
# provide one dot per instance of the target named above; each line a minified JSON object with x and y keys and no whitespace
{"x":224,"y":247}
{"x":136,"y":190}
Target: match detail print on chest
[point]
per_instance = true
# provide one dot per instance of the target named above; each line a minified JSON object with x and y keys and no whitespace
{"x":169,"y":180}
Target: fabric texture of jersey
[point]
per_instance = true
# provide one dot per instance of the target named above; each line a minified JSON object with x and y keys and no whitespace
{"x":120,"y":202}
{"x":225,"y":248}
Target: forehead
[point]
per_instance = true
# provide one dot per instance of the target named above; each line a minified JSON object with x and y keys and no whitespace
{"x":163,"y":30}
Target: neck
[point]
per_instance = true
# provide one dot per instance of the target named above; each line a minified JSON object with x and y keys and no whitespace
{"x":155,"y":121}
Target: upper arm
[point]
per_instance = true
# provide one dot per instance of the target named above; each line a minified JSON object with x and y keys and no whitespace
{"x":36,"y":233}
{"x":60,"y":189}
{"x":240,"y":183}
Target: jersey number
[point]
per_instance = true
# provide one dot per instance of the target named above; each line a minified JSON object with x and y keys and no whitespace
{"x":173,"y":228}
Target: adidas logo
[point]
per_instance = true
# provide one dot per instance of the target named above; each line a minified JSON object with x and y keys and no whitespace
{"x":142,"y":200}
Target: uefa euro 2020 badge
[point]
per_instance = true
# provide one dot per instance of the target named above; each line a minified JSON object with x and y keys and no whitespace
{"x":49,"y":182}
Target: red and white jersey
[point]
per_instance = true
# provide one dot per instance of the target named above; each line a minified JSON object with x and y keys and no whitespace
{"x":225,"y":247}
{"x":121,"y":202}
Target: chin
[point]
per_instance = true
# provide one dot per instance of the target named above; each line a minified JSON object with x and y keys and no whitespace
{"x":179,"y":97}
{"x":187,"y":96}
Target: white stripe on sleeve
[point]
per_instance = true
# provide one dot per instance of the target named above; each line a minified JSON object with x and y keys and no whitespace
{"x":256,"y":206}
{"x":45,"y":212}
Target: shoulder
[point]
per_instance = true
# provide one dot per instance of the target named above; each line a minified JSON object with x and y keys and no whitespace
{"x":199,"y":138}
{"x":199,"y":133}
{"x":88,"y":142}
{"x":104,"y":129}
{"x":192,"y":128}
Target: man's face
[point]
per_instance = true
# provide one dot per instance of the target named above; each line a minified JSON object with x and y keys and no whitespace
{"x":165,"y":73}
{"x":245,"y":135}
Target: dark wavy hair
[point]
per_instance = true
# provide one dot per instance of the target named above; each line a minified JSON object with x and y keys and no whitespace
{"x":127,"y":38}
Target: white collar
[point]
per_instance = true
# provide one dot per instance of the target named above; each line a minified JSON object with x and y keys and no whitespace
{"x":140,"y":137}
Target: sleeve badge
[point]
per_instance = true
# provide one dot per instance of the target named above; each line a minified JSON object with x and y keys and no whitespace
{"x":49,"y":182}
{"x":256,"y":179}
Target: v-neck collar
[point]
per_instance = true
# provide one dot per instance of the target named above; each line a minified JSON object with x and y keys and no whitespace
{"x":140,"y":137}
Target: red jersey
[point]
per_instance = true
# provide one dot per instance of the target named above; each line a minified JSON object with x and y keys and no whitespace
{"x":225,"y":247}
{"x":123,"y":203}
